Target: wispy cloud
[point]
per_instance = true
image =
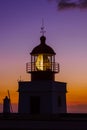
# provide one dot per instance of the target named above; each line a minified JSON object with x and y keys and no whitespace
{"x":71,"y":4}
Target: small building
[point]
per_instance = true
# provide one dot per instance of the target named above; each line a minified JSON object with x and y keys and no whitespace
{"x":42,"y":95}
{"x":6,"y":105}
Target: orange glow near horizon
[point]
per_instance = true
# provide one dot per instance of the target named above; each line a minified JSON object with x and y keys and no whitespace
{"x":76,"y":97}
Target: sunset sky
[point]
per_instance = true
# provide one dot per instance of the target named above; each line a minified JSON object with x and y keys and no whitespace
{"x":66,"y":33}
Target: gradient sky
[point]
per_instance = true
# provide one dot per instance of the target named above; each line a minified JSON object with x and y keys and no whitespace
{"x":66,"y":32}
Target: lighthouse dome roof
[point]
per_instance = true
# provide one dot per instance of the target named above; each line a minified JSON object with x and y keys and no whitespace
{"x":43,"y":48}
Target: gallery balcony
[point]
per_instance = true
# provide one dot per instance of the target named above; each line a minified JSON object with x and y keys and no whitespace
{"x":32,"y":67}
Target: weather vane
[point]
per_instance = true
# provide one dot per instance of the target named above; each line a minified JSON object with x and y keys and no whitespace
{"x":42,"y":28}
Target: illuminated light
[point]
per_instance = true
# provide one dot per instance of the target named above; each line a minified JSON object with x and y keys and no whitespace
{"x":43,"y":63}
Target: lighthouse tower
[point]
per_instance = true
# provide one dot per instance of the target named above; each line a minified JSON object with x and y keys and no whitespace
{"x":42,"y":95}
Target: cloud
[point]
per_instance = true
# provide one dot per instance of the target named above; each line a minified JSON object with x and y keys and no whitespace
{"x":66,"y":5}
{"x":71,"y":4}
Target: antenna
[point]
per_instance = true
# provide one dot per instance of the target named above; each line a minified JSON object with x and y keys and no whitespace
{"x":42,"y":28}
{"x":10,"y":101}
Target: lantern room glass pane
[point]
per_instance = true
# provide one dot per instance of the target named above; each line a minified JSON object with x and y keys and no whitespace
{"x":43,"y":62}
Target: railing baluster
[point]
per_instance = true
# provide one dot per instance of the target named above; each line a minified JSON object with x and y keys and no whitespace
{"x":31,"y":67}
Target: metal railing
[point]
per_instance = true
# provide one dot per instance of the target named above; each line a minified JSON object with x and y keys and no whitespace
{"x":31,"y":67}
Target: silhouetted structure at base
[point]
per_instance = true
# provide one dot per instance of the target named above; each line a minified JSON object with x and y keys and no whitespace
{"x":41,"y":97}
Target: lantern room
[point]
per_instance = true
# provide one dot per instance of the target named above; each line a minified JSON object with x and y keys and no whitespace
{"x":42,"y":65}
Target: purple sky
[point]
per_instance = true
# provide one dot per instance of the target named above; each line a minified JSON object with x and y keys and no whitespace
{"x":66,"y":32}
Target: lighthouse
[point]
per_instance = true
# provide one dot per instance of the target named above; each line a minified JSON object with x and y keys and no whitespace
{"x":42,"y":95}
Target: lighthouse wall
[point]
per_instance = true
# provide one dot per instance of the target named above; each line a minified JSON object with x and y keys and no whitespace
{"x":41,"y":97}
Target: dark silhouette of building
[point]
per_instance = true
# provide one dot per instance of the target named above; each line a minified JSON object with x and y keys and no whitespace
{"x":6,"y":105}
{"x":42,"y":94}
